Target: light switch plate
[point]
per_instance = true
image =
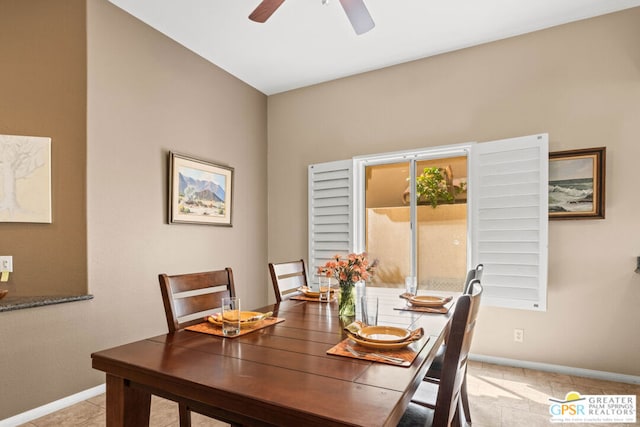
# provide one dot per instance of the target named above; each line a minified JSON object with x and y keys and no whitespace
{"x":6,"y":263}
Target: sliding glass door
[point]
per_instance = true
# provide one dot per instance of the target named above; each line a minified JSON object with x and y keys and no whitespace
{"x":441,"y":231}
{"x":388,"y":222}
{"x":415,"y":220}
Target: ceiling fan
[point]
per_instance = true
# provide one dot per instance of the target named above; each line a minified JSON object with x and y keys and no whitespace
{"x":356,"y":11}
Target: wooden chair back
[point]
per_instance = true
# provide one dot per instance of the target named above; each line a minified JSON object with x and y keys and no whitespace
{"x":287,"y":277}
{"x":463,"y":322}
{"x":471,"y":274}
{"x":479,"y":271}
{"x":188,"y":298}
{"x":475,"y":273}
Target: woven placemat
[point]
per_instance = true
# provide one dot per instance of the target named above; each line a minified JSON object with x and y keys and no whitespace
{"x":211,"y":329}
{"x":408,"y":353}
{"x":441,"y":310}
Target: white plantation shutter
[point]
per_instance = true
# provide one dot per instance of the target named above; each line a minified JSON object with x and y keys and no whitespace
{"x":508,"y":187}
{"x":330,"y":211}
{"x":507,"y":217}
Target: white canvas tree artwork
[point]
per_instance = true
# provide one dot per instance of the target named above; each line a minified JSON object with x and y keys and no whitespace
{"x":25,"y":179}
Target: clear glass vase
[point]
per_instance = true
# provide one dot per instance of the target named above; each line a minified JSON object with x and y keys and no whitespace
{"x":347,"y":300}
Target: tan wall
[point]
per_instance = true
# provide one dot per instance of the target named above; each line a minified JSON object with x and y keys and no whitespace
{"x":43,"y":92}
{"x":146,"y":95}
{"x":580,"y":83}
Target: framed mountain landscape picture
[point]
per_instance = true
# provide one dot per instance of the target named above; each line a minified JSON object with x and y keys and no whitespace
{"x":576,"y":184}
{"x":200,"y":192}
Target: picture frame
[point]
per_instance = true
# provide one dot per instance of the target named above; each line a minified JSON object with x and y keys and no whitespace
{"x":25,"y":181}
{"x":577,"y":184}
{"x":200,"y":191}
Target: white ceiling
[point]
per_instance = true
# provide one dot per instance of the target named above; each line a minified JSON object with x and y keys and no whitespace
{"x":305,"y":42}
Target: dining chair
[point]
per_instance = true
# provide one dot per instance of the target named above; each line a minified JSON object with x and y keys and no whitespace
{"x":439,"y":403}
{"x":287,"y":277}
{"x":434,"y":372}
{"x":187,"y":299}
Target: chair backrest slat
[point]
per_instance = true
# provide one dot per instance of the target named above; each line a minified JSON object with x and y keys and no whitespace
{"x":194,"y":281}
{"x":198,"y":303}
{"x":184,"y":295}
{"x":287,"y":277}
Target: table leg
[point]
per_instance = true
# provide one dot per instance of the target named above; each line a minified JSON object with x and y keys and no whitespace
{"x":126,"y":406}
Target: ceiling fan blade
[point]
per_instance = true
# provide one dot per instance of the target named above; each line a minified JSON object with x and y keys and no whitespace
{"x":265,"y":10}
{"x":358,"y":14}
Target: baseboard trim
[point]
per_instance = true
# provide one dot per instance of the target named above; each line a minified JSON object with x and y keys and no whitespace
{"x":558,"y":369}
{"x":49,"y":408}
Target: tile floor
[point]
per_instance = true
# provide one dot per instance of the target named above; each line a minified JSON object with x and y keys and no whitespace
{"x":500,"y":396}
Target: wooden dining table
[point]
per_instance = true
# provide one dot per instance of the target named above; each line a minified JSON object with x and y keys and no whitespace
{"x":280,"y":375}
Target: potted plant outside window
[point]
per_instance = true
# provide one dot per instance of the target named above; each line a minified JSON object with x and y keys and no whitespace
{"x":434,"y":186}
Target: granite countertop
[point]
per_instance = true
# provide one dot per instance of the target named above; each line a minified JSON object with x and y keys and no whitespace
{"x":10,"y":303}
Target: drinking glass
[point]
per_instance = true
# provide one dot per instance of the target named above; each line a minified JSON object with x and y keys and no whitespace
{"x":410,"y":285}
{"x":324,"y":284}
{"x":231,"y":316}
{"x":370,"y":310}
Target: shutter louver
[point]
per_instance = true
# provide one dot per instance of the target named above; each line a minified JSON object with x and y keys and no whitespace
{"x":510,"y":220}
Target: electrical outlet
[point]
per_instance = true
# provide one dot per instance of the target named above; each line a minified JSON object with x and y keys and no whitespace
{"x":6,"y":263}
{"x":518,"y":335}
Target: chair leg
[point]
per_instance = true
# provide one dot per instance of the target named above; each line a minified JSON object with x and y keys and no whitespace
{"x":465,"y":400}
{"x":459,"y":419}
{"x":185,"y":415}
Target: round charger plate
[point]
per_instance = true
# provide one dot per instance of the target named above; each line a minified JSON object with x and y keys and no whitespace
{"x":379,"y":345}
{"x":427,"y":301}
{"x":245,"y":317}
{"x":383,"y":334}
{"x":309,"y":293}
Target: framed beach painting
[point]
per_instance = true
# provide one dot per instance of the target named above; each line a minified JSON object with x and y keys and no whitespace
{"x":577,"y":184}
{"x":200,"y":192}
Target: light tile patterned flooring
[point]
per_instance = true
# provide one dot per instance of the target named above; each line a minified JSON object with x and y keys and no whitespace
{"x":500,"y":396}
{"x":503,"y":396}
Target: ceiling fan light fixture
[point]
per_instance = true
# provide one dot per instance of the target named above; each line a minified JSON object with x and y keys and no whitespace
{"x":356,"y":11}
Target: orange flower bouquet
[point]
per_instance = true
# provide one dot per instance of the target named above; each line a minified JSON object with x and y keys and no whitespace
{"x":347,"y":271}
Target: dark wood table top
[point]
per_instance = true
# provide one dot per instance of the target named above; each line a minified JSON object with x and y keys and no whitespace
{"x":279,"y":375}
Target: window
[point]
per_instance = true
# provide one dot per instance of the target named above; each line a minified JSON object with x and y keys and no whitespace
{"x":507,"y":213}
{"x":400,"y":226}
